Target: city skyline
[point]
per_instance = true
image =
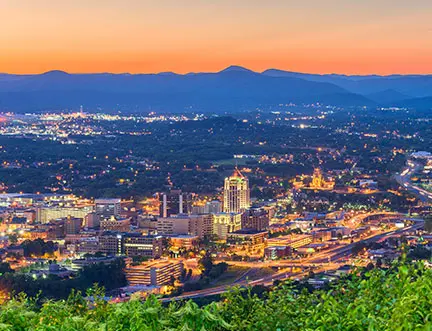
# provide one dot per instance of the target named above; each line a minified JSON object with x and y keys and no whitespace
{"x":143,"y":37}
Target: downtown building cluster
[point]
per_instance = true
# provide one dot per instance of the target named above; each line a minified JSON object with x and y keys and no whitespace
{"x":113,"y":227}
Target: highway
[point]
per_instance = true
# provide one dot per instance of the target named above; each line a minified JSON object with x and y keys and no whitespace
{"x":343,"y":252}
{"x":328,"y":260}
{"x":404,"y":179}
{"x":323,"y":261}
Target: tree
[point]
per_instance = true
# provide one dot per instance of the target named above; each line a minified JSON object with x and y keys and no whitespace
{"x":379,"y":263}
{"x":259,"y":290}
{"x":139,"y":259}
{"x":38,"y":247}
{"x":420,"y":253}
{"x":428,"y":223}
{"x":218,"y":270}
{"x":189,"y":274}
{"x":183,"y":275}
{"x":171,"y":281}
{"x":109,"y":276}
{"x":206,"y":263}
{"x":4,"y":268}
{"x":369,"y":266}
{"x":394,"y":299}
{"x":358,"y":247}
{"x":13,"y":238}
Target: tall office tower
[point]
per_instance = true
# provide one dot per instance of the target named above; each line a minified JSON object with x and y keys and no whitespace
{"x":236,"y":193}
{"x":106,"y":208}
{"x":175,"y":202}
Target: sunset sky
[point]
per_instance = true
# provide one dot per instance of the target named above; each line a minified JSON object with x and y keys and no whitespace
{"x":320,"y":36}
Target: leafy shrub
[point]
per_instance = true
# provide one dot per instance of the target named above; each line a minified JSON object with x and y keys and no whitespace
{"x":393,"y":299}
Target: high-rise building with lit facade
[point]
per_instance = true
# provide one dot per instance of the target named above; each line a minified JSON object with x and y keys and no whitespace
{"x":236,"y":193}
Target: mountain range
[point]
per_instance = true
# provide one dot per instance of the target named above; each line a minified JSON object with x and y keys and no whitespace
{"x":234,"y":88}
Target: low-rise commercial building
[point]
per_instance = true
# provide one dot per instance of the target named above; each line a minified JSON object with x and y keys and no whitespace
{"x":256,"y":218}
{"x":130,"y":244}
{"x":183,"y":241}
{"x":224,"y":223}
{"x":139,"y":245}
{"x":249,"y":237}
{"x":73,"y":225}
{"x":115,"y":224}
{"x":196,"y":225}
{"x":78,"y":264}
{"x":293,"y":241}
{"x":48,"y":213}
{"x":277,"y":252}
{"x":322,"y":235}
{"x":155,"y":273}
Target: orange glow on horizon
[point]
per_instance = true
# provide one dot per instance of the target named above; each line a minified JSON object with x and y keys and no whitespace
{"x":144,"y":36}
{"x":184,"y":64}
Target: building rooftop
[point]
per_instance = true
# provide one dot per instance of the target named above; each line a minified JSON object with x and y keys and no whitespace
{"x":115,"y":200}
{"x":129,"y":234}
{"x":182,"y":236}
{"x":237,"y":174}
{"x":248,"y":231}
{"x":155,"y":264}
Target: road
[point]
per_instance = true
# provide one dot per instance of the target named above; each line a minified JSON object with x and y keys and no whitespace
{"x":404,"y":179}
{"x":327,"y":260}
{"x":343,"y":252}
{"x":324,"y":261}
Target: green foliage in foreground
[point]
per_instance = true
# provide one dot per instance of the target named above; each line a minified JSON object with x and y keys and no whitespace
{"x":394,"y":299}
